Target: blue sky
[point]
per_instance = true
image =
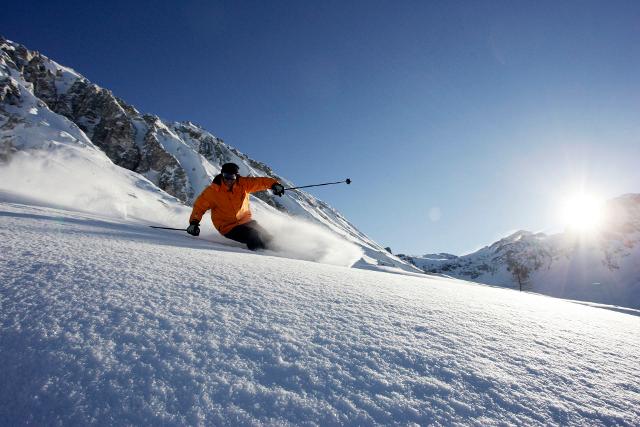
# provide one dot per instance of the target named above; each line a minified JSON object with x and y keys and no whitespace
{"x":458,"y":122}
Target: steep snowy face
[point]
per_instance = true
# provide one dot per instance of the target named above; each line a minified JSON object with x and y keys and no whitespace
{"x":131,"y":140}
{"x":48,"y":158}
{"x":179,"y":158}
{"x":604,"y":267}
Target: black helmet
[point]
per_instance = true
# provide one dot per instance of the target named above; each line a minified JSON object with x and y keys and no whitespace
{"x":230,"y":168}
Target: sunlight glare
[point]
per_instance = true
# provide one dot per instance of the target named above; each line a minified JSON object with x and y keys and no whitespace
{"x":582,"y":213}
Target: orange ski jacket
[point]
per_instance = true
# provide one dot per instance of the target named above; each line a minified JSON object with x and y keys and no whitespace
{"x":229,"y":208}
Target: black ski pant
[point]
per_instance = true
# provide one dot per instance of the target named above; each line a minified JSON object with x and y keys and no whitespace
{"x":251,"y":234}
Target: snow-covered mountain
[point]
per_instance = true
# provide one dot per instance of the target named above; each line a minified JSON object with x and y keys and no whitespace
{"x":65,"y":132}
{"x":603,"y":267}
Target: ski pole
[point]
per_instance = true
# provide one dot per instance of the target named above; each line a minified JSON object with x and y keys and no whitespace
{"x":168,"y":228}
{"x":348,"y":181}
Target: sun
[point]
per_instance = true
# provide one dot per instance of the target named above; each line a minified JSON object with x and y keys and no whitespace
{"x":583,"y":213}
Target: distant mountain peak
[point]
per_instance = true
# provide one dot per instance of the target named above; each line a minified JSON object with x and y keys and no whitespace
{"x":603,"y":268}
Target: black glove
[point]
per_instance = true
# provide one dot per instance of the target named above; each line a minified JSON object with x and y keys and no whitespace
{"x":194,"y":228}
{"x":277,"y":189}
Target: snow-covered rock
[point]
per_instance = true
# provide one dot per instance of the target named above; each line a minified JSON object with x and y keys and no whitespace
{"x":603,"y":267}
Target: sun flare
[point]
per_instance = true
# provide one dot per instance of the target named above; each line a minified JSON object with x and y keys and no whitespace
{"x":582,"y":213}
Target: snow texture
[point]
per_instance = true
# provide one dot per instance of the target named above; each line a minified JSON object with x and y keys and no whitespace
{"x":110,"y":322}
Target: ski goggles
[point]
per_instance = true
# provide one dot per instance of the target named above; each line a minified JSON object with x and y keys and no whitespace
{"x":229,"y":176}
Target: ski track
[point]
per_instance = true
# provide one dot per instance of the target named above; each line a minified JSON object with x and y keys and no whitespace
{"x":112,"y":323}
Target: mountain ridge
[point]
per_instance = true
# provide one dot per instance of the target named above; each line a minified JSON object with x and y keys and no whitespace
{"x":603,"y":267}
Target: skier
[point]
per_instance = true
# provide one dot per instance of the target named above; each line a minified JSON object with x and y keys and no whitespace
{"x":228,"y":199}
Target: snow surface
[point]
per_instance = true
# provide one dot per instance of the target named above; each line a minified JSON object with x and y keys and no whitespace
{"x":111,"y":322}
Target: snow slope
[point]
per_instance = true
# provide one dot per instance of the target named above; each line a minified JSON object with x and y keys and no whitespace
{"x":110,"y":322}
{"x":47,"y":157}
